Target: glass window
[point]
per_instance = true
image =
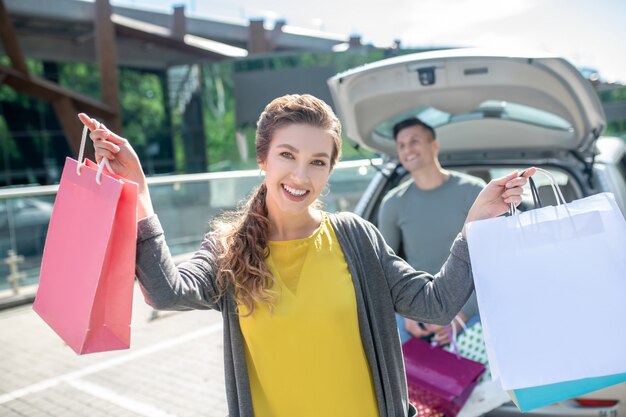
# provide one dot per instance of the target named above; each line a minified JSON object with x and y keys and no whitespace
{"x":489,"y":109}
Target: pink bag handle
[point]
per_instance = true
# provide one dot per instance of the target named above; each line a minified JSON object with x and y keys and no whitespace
{"x":81,"y":162}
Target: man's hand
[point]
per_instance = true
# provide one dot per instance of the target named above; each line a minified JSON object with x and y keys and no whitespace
{"x":442,"y":334}
{"x":415,"y":329}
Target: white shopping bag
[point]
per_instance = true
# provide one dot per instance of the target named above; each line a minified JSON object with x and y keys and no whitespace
{"x":551,"y":285}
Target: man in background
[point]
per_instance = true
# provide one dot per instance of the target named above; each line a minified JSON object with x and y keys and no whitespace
{"x":425,"y":214}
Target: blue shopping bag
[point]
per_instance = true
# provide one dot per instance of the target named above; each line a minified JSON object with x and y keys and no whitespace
{"x":528,"y":399}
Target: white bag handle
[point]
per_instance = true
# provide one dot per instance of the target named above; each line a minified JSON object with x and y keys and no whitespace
{"x":454,"y":331}
{"x":453,"y":342}
{"x":103,"y":162}
{"x":558,"y":196}
{"x":555,"y":187}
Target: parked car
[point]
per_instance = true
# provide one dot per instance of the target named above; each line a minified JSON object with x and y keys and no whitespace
{"x":24,"y":225}
{"x":492,"y":113}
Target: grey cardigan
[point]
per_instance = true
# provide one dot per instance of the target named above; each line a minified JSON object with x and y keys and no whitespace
{"x":383,"y":284}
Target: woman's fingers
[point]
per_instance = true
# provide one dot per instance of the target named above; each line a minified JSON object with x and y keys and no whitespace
{"x":516,"y":182}
{"x":520,"y":181}
{"x":103,"y":153}
{"x":502,"y":181}
{"x":100,"y":134}
{"x":101,"y":139}
{"x":514,"y":179}
{"x":105,"y":134}
{"x":513,"y":199}
{"x":106,"y":147}
{"x":99,"y":131}
{"x":529,"y":172}
{"x":513,"y":192}
{"x":513,"y":187}
{"x":92,"y":124}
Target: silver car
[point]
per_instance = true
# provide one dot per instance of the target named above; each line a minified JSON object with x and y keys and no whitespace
{"x":492,"y":112}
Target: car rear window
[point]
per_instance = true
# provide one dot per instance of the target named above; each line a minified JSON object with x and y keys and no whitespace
{"x":487,"y":109}
{"x":566,"y":184}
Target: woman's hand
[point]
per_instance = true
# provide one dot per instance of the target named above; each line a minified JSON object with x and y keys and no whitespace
{"x":496,"y":197}
{"x":115,"y":148}
{"x":122,"y":158}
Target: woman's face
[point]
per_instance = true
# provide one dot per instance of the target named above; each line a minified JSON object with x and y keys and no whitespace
{"x":297,"y":167}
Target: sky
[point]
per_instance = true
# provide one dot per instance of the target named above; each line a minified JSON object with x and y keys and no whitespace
{"x":587,"y":33}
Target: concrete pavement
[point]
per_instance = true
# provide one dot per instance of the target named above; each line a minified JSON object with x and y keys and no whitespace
{"x":174,"y":368}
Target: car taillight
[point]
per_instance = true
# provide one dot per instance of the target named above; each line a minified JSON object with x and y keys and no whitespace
{"x":589,"y":402}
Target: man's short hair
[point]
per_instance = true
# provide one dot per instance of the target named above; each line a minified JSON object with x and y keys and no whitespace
{"x":412,"y":121}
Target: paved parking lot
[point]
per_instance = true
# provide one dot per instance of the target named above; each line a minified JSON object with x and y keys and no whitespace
{"x":174,"y":368}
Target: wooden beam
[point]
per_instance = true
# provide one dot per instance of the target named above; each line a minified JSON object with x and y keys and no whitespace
{"x":66,"y":114}
{"x":9,"y":39}
{"x":274,"y":35}
{"x":257,"y":41}
{"x":107,"y":60}
{"x":179,"y":24}
{"x":48,"y":91}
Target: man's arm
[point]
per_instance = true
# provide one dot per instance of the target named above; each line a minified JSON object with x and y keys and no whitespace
{"x":470,"y":309}
{"x":388,"y":223}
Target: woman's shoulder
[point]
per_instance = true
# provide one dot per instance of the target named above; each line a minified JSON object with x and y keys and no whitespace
{"x":345,"y":217}
{"x":351,"y":222}
{"x":357,"y":233}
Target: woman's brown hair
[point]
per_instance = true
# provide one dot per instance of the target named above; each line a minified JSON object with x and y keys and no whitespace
{"x":243,"y":234}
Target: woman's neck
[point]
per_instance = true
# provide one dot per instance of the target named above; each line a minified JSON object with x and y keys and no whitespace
{"x":289,"y":226}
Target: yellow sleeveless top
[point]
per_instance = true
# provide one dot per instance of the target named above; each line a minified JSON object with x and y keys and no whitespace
{"x":306,"y":358}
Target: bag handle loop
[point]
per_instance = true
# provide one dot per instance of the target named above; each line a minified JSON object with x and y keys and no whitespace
{"x":81,"y":162}
{"x":558,"y":195}
{"x":452,"y":332}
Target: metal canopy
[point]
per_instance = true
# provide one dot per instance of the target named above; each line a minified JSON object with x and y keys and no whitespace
{"x":63,"y":31}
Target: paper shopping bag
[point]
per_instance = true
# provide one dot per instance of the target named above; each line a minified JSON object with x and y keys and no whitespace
{"x":438,"y":379}
{"x":540,"y":278}
{"x":487,"y":395}
{"x":87,"y":270}
{"x":471,"y":345}
{"x":528,"y":399}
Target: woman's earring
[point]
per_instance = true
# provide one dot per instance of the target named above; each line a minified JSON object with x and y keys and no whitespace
{"x":325,"y":191}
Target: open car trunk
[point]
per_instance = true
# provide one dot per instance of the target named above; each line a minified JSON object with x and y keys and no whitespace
{"x":474,"y":99}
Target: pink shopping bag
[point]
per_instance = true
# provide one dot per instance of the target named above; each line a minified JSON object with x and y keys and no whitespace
{"x":87,"y":271}
{"x":438,"y":379}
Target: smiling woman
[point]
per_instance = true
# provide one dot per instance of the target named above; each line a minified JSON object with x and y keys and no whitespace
{"x":298,"y":143}
{"x":297,"y":168}
{"x":308,"y":298}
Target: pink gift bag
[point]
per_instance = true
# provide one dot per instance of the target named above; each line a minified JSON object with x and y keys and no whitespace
{"x":438,"y":379}
{"x":87,"y":271}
